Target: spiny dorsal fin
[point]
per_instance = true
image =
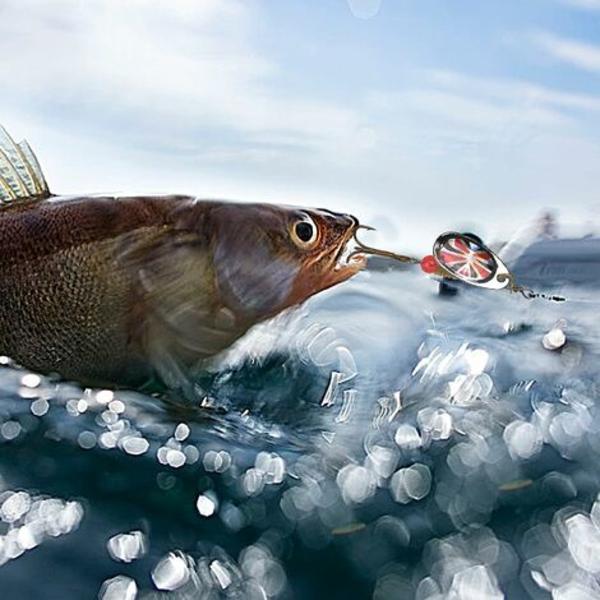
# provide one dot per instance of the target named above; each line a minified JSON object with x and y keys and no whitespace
{"x":21,"y":176}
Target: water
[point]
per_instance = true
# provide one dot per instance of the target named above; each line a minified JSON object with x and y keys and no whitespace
{"x":379,"y":442}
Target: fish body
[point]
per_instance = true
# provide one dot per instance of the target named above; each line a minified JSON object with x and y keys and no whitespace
{"x":108,"y":290}
{"x":68,"y":295}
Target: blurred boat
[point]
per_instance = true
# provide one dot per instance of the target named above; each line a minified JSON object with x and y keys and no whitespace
{"x":556,"y":262}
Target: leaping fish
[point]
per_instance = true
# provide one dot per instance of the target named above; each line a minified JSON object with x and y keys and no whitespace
{"x":122,"y":290}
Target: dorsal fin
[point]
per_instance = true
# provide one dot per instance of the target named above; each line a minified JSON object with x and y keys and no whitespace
{"x":21,"y":177}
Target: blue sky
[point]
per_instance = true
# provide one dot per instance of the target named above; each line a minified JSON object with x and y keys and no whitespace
{"x":416,"y":115}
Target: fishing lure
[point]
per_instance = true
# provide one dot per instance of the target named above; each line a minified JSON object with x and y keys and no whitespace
{"x":463,"y":257}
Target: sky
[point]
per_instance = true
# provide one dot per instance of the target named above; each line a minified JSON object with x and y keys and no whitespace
{"x":418,"y":116}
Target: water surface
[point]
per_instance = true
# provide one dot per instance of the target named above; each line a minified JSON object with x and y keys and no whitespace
{"x":381,"y":441}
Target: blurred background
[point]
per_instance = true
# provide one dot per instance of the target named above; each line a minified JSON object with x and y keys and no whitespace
{"x":417,"y":116}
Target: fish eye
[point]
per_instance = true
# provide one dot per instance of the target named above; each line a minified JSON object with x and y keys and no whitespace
{"x":304,"y":232}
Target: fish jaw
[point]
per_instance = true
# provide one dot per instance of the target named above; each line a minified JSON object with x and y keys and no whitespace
{"x":343,"y":264}
{"x":346,"y":262}
{"x":342,"y":271}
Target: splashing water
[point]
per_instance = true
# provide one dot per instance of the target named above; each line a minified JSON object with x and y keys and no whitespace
{"x":380,"y":442}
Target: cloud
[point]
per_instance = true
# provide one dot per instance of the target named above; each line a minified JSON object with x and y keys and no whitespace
{"x":454,"y":111}
{"x":515,"y":91}
{"x":491,"y":148}
{"x":163,"y":69}
{"x":574,"y":52}
{"x":364,"y":9}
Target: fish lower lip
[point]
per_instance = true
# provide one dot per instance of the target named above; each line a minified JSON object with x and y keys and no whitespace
{"x":349,"y":257}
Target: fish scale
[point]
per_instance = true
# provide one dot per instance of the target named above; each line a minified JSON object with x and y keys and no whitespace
{"x":67,"y":313}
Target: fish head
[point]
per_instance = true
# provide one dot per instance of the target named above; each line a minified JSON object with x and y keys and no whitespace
{"x":268,"y":258}
{"x":322,"y":245}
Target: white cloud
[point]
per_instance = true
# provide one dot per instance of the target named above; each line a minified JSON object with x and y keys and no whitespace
{"x":515,"y":91}
{"x":484,"y":150}
{"x":574,"y":52}
{"x":163,"y":67}
{"x":481,"y":114}
{"x":170,"y":95}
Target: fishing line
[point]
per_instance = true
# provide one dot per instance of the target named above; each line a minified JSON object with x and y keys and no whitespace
{"x":363,"y":248}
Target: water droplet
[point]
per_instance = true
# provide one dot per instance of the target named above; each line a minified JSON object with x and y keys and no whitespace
{"x":15,"y":506}
{"x":39,"y":407}
{"x":182,"y":431}
{"x":126,"y":547}
{"x":475,"y":582}
{"x":31,"y":380}
{"x":411,"y":483}
{"x":86,"y":439}
{"x":523,"y":439}
{"x":554,"y":339}
{"x":118,"y":588}
{"x":104,"y":396}
{"x":207,"y":504}
{"x":10,"y":430}
{"x":171,"y":572}
{"x":477,"y":360}
{"x":356,"y":483}
{"x":134,"y":445}
{"x":407,"y":437}
{"x":220,"y":574}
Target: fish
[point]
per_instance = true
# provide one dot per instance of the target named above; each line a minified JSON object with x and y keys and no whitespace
{"x":128,"y":290}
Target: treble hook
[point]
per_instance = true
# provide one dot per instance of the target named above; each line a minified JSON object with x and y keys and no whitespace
{"x":363,"y":248}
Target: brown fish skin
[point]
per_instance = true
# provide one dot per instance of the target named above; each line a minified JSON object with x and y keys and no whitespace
{"x":115,"y":291}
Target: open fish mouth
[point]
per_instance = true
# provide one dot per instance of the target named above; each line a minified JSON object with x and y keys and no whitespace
{"x":349,"y":255}
{"x":353,"y":252}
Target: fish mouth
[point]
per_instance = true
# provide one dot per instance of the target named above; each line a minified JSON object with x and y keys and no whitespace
{"x":346,"y":261}
{"x":349,"y":255}
{"x":352,"y":254}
